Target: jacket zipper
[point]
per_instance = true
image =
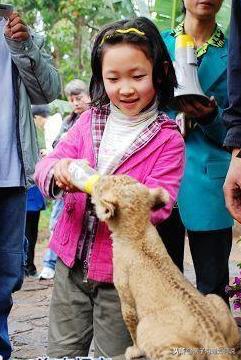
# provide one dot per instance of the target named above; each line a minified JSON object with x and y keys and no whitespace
{"x":87,"y":252}
{"x":40,"y":87}
{"x":88,"y":241}
{"x":15,"y":75}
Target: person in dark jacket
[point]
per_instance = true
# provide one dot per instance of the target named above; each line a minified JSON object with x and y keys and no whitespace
{"x":232,"y":115}
{"x":27,"y":76}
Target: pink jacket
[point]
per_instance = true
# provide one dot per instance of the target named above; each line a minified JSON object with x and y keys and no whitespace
{"x":159,"y":163}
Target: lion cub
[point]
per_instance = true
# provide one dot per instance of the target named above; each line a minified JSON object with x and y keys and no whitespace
{"x":165,"y":314}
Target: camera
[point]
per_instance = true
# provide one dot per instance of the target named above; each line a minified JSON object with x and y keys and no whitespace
{"x":6,"y":10}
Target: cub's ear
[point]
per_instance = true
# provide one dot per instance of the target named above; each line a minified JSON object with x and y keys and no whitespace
{"x":159,"y":197}
{"x":105,"y":209}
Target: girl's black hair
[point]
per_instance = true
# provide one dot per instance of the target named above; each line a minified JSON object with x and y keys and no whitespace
{"x":152,"y":44}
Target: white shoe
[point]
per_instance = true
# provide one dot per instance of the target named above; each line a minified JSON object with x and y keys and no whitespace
{"x":46,"y":274}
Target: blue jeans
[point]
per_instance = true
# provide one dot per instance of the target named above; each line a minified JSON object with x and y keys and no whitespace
{"x":12,"y":215}
{"x":50,"y":257}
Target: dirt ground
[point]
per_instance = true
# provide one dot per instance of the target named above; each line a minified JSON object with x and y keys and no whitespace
{"x":28,"y":322}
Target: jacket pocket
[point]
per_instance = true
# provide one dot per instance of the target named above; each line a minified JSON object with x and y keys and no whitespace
{"x":64,"y":225}
{"x":217,"y":169}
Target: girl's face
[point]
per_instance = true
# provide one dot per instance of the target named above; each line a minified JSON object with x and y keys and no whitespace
{"x":127,"y":76}
{"x":203,"y":8}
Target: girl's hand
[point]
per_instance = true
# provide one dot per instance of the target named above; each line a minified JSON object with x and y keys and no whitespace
{"x":197,"y":110}
{"x":15,"y":28}
{"x":62,"y":175}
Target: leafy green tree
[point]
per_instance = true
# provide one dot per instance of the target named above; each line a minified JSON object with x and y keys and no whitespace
{"x":166,"y":13}
{"x":224,"y":15}
{"x":70,"y":25}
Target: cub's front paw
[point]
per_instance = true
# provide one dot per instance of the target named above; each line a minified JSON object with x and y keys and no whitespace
{"x":133,"y":352}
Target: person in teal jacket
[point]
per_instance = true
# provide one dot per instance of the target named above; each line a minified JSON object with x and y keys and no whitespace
{"x":201,"y":201}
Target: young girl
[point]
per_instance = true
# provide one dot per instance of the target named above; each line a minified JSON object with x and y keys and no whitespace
{"x":125,"y":132}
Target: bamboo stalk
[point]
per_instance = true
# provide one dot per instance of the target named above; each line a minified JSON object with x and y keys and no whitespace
{"x":174,"y":12}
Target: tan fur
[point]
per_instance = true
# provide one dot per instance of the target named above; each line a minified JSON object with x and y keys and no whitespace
{"x":161,"y":309}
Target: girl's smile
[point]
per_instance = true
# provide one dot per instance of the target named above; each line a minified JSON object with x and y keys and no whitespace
{"x":127,"y":76}
{"x":128,"y":104}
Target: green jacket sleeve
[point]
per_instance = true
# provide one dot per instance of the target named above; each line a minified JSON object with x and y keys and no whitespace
{"x":215,"y":130}
{"x":35,"y":69}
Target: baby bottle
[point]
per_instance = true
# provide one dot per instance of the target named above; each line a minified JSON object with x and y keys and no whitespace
{"x":82,"y":175}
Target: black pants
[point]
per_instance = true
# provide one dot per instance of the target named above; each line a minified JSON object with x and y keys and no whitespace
{"x":12,"y":215}
{"x":31,"y":233}
{"x":172,"y":232}
{"x":210,"y":252}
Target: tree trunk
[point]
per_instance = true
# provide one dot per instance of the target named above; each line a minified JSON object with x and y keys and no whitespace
{"x":79,"y":23}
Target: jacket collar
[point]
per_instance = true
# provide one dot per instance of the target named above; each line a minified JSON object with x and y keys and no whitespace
{"x":217,"y":38}
{"x":99,"y":118}
{"x":215,"y":58}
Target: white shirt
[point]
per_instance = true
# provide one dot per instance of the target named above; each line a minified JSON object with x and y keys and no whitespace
{"x":51,"y":130}
{"x":120,"y":132}
{"x":10,"y":166}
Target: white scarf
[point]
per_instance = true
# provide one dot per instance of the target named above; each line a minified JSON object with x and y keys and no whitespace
{"x":120,"y":132}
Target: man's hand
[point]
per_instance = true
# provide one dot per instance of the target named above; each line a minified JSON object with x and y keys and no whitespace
{"x":15,"y":28}
{"x":232,"y":187}
{"x":195,"y":109}
{"x":43,"y":153}
{"x":62,"y":175}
